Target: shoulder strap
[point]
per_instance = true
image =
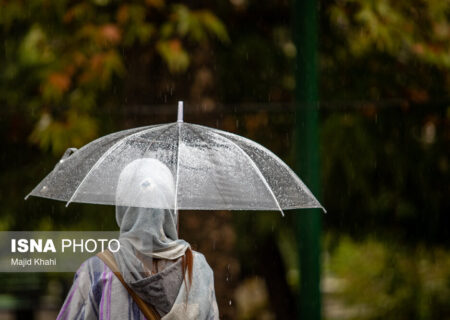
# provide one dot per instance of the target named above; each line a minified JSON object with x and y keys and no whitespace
{"x":149,"y":311}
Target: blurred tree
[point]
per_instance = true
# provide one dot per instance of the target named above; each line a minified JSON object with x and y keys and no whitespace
{"x":378,"y":280}
{"x":390,"y":61}
{"x":60,"y":65}
{"x":386,"y":49}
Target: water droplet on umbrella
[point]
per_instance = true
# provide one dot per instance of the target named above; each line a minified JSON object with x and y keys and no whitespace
{"x":146,"y":184}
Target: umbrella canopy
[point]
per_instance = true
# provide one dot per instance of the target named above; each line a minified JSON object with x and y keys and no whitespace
{"x":212,"y":169}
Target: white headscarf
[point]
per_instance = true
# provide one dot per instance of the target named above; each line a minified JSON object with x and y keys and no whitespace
{"x":152,"y":233}
{"x":149,"y":233}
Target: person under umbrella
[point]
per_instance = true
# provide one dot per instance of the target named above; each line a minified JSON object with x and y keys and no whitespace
{"x":153,"y":269}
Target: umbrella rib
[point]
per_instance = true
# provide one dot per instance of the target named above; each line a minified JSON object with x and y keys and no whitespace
{"x":255,"y":167}
{"x":108,"y":152}
{"x":194,"y":131}
{"x":274,"y":156}
{"x":179,"y":124}
{"x":149,"y":146}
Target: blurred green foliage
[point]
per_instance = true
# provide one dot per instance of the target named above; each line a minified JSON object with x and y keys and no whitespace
{"x":406,"y":30}
{"x":393,"y":51}
{"x":59,"y":65}
{"x":380,"y":280}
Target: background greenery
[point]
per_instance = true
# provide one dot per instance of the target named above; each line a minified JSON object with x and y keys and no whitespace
{"x":71,"y":71}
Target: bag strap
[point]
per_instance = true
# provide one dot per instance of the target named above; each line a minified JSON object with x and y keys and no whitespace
{"x":149,"y":311}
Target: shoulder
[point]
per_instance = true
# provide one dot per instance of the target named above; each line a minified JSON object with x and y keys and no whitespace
{"x":199,"y":257}
{"x":90,"y":277}
{"x":93,"y":264}
{"x":200,"y":262}
{"x":90,"y":270}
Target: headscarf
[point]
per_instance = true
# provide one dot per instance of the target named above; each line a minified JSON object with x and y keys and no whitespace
{"x":152,"y":233}
{"x":147,"y":233}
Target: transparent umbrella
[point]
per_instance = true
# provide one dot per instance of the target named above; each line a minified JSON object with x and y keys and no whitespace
{"x":212,"y":169}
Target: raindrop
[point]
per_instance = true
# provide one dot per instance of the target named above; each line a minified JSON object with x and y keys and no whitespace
{"x":146,"y":184}
{"x":230,"y":303}
{"x":228,"y":273}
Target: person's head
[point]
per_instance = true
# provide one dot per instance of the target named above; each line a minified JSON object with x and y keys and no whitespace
{"x":145,"y":201}
{"x":146,"y":183}
{"x":145,"y":196}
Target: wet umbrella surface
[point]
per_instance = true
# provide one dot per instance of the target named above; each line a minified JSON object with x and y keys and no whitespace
{"x":213,"y":170}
